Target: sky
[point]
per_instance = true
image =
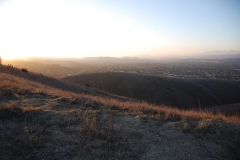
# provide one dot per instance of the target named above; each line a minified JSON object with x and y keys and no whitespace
{"x":134,"y":28}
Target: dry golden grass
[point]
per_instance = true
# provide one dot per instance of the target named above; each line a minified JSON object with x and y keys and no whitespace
{"x":10,"y":110}
{"x":203,"y":125}
{"x":14,"y":85}
{"x":13,"y":110}
{"x":185,"y":127}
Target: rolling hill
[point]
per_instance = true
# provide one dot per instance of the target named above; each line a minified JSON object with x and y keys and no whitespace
{"x":46,"y":118}
{"x":181,"y":93}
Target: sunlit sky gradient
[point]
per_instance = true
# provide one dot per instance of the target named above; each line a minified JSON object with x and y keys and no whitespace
{"x":143,"y":28}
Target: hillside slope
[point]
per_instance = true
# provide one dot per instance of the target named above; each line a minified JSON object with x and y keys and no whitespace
{"x":229,"y":109}
{"x":47,"y":81}
{"x":183,"y":93}
{"x":39,"y":121}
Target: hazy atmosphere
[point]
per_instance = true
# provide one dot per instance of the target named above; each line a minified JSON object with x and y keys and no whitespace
{"x":139,"y":28}
{"x":120,"y":79}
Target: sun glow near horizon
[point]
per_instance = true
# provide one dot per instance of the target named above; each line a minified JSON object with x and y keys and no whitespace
{"x":58,"y":29}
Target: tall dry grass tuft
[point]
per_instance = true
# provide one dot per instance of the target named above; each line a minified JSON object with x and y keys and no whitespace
{"x":89,"y":124}
{"x":32,"y":137}
{"x":185,"y":127}
{"x":10,"y":110}
{"x":100,"y":127}
{"x":204,"y":125}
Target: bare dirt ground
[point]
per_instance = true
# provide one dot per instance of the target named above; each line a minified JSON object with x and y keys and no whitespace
{"x":41,"y":126}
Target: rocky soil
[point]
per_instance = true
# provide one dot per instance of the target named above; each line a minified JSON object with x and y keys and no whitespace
{"x":50,"y":127}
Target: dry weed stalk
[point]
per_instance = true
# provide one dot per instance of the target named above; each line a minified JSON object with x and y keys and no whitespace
{"x":185,"y":127}
{"x":89,"y":124}
{"x":204,"y":125}
{"x":32,"y":137}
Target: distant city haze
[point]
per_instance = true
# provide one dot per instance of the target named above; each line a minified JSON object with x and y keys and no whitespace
{"x":136,"y":28}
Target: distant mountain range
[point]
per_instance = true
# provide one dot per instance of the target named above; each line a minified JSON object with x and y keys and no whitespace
{"x":217,"y":54}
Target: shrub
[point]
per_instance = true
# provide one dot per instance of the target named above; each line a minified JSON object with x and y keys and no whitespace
{"x":87,"y":85}
{"x":24,"y":70}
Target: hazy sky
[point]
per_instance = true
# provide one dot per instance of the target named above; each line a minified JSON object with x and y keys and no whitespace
{"x":150,"y":28}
